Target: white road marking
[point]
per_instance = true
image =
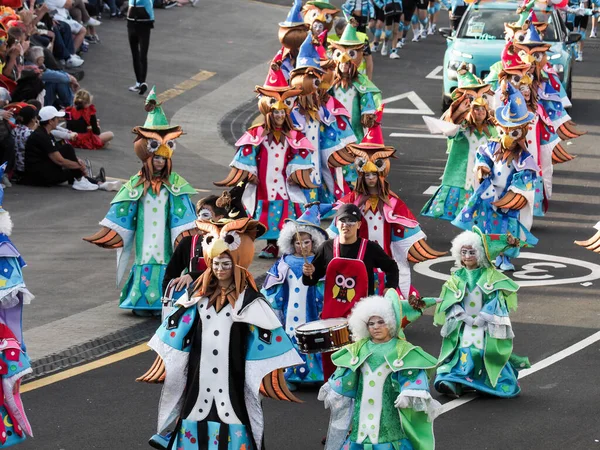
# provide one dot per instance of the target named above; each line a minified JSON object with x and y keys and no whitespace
{"x":435,"y":74}
{"x":431,"y":190}
{"x":544,"y":363}
{"x":418,"y":136}
{"x":424,"y":268}
{"x":420,"y":106}
{"x":587,"y":284}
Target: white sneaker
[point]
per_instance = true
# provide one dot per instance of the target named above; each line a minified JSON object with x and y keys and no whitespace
{"x":84,"y":185}
{"x":400,"y":43}
{"x":423,"y":33}
{"x":431,"y":30}
{"x":73,"y":62}
{"x":110,"y":185}
{"x":195,"y":2}
{"x":593,"y":34}
{"x":579,"y":57}
{"x":375,"y":47}
{"x":394,"y":54}
{"x":416,"y":37}
{"x":135,"y":87}
{"x":77,"y":57}
{"x":384,"y":49}
{"x":92,"y":23}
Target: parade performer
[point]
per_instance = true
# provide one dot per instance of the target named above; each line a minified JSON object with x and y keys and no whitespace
{"x":592,"y":243}
{"x":385,"y":218}
{"x":325,"y":125}
{"x":219,"y":345}
{"x":541,"y":138}
{"x":292,"y":32}
{"x":294,"y":302}
{"x":473,"y":310}
{"x":551,"y":95}
{"x":274,"y":160}
{"x":354,"y":90}
{"x":507,"y":174}
{"x":348,"y":263}
{"x":468,"y":124}
{"x":380,"y":390}
{"x":14,"y":362}
{"x":319,"y":16}
{"x":150,"y":213}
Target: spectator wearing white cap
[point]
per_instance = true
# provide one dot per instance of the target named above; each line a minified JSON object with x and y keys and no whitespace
{"x":47,"y":163}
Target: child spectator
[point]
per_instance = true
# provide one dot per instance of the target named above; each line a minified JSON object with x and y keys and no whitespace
{"x":26,"y":120}
{"x":81,"y":118}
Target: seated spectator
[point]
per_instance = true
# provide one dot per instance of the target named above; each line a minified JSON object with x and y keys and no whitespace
{"x":59,"y":85}
{"x":9,"y":53}
{"x":47,"y":163}
{"x":60,"y":11}
{"x":81,"y":118}
{"x":29,"y":87}
{"x":26,"y":122}
{"x":7,"y":145}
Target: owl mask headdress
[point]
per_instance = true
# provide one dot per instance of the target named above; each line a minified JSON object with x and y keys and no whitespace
{"x":372,"y":156}
{"x":293,"y":30}
{"x":155,"y":138}
{"x":471,"y":89}
{"x":513,"y":120}
{"x":319,"y":15}
{"x":530,"y":49}
{"x":276,"y":94}
{"x":236,"y":239}
{"x":307,"y":77}
{"x":347,"y":54}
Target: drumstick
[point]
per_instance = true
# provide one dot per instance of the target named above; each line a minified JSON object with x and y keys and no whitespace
{"x":301,"y":248}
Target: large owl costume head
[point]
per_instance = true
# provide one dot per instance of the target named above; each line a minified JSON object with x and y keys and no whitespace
{"x":293,"y":30}
{"x":513,"y":120}
{"x":155,"y":138}
{"x":474,"y":92}
{"x":276,"y":94}
{"x":527,"y":16}
{"x":236,"y":239}
{"x":372,"y":156}
{"x":307,"y":76}
{"x":347,"y":54}
{"x":319,"y":15}
{"x":517,"y":73}
{"x":532,"y":50}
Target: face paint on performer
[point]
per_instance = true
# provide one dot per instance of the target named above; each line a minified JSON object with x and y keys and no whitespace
{"x":278,"y":117}
{"x":222,"y":267}
{"x":468,"y":257}
{"x":378,"y":330}
{"x":371,"y":179}
{"x":348,"y":230}
{"x":158,"y":163}
{"x":479,"y":114}
{"x":303,"y":247}
{"x":206,"y":213}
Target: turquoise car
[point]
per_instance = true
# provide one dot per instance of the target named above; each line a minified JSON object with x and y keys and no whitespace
{"x":479,"y":41}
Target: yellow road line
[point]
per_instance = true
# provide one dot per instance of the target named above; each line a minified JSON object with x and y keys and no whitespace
{"x":37,"y":384}
{"x":185,"y":85}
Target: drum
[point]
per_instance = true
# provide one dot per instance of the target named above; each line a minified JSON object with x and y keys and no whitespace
{"x":171,"y":297}
{"x":323,"y":335}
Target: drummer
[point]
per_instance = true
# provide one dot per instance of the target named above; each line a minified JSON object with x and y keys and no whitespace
{"x":347,"y":263}
{"x":188,"y":253}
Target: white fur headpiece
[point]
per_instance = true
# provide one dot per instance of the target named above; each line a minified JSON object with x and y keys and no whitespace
{"x":368,"y":307}
{"x":469,"y":238}
{"x":6,"y":224}
{"x":287,"y":236}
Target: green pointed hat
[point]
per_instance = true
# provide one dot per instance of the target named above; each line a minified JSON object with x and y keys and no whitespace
{"x":156,"y":119}
{"x":349,"y":37}
{"x":496,"y":244}
{"x":466,"y":80}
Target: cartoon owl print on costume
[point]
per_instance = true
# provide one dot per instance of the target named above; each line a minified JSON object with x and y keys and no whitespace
{"x":343,"y":291}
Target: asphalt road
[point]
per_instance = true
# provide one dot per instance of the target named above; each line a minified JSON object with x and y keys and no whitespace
{"x":105,"y":409}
